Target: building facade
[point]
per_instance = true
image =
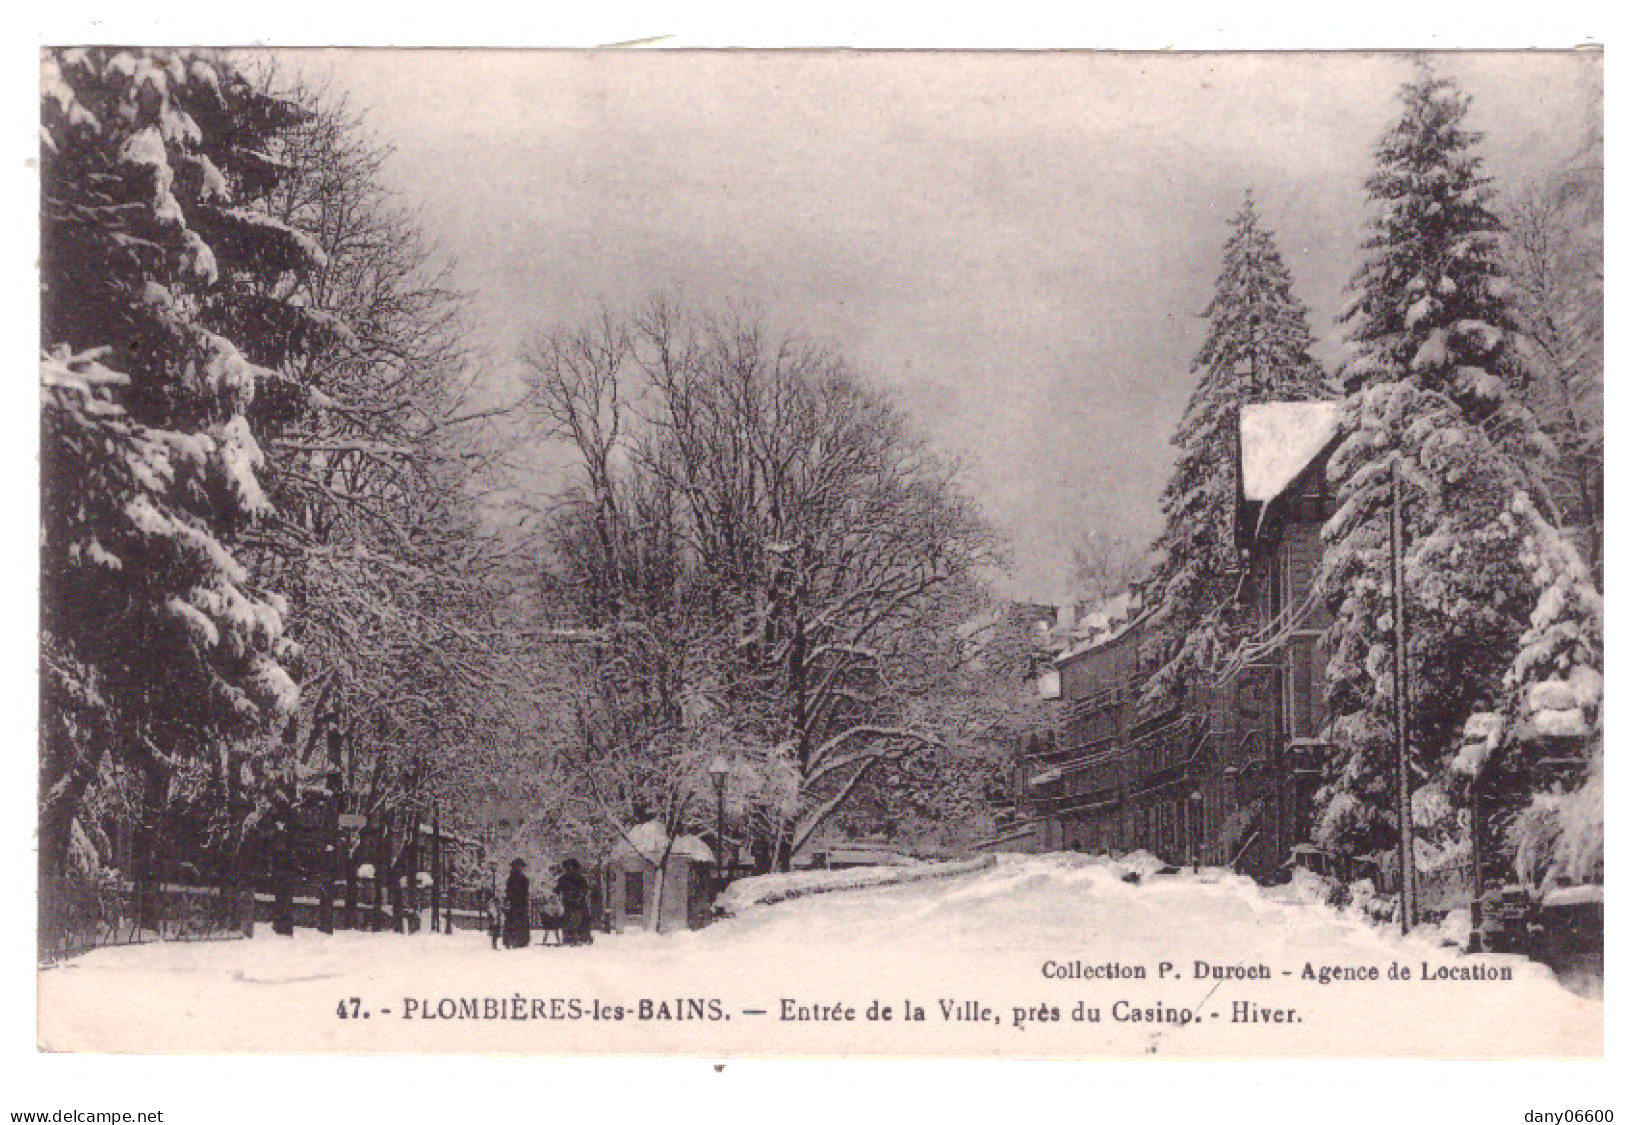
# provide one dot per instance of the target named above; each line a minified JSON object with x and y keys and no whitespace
{"x":1224,"y":775}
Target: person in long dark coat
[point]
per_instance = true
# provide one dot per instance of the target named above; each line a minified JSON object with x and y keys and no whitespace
{"x":574,"y":892}
{"x":516,"y":908}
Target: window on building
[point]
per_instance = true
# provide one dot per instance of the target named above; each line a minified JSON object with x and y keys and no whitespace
{"x":1284,"y":575}
{"x":1299,"y":673}
{"x":632,"y":892}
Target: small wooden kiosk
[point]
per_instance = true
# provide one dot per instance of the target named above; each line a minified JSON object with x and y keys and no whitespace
{"x":685,"y":901}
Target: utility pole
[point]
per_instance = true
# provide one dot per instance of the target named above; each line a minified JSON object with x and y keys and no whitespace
{"x":1475,"y":942}
{"x":1402,"y":731}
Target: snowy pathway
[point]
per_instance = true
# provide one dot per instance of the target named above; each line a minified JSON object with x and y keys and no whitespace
{"x":969,"y":956}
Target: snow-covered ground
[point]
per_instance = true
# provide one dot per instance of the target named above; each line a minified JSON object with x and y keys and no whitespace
{"x":996,"y":944}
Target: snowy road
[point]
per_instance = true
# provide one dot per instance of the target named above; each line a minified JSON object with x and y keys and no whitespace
{"x":980,"y":960}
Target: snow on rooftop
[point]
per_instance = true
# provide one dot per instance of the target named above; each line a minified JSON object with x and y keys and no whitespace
{"x":1049,"y":684}
{"x":1111,"y":613}
{"x":1278,"y":439}
{"x":1054,"y":773}
{"x":649,"y":840}
{"x":1106,"y":623}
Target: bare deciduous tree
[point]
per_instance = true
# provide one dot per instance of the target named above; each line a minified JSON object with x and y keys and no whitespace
{"x":1103,"y":566}
{"x":1553,"y":250}
{"x":393,"y":581}
{"x":778,"y":565}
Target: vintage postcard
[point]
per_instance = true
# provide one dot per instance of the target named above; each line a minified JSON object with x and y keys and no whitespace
{"x":894,"y":554}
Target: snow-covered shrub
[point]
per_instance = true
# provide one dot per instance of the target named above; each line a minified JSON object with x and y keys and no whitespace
{"x":1559,"y":836}
{"x":1364,"y":898}
{"x":1306,"y":886}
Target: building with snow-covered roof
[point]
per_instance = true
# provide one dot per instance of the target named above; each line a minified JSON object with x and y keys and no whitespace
{"x":1257,"y":772}
{"x":1224,"y":774}
{"x":1079,"y":782}
{"x":1280,"y":513}
{"x":651,"y":874}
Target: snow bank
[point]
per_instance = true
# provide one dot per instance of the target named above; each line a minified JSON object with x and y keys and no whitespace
{"x":1305,"y":889}
{"x":1582,"y":894}
{"x":764,"y":890}
{"x":1141,"y":863}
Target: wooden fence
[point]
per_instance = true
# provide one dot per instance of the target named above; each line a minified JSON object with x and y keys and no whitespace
{"x":77,"y":914}
{"x":1445,"y":888}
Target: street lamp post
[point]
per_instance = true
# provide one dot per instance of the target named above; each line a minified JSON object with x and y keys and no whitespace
{"x":1193,"y":828}
{"x":719,"y":771}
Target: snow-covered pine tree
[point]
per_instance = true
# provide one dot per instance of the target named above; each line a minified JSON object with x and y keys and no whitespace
{"x":1256,"y":350}
{"x":1430,"y":374}
{"x":1551,"y":709}
{"x":155,"y":642}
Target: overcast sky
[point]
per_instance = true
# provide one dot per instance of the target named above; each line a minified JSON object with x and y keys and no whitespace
{"x":1019,"y":243}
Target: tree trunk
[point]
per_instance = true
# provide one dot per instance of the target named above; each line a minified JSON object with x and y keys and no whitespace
{"x":325,"y":920}
{"x":149,"y":849}
{"x":658,"y":901}
{"x":60,"y":798}
{"x":352,"y":888}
